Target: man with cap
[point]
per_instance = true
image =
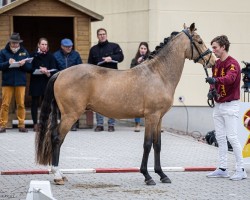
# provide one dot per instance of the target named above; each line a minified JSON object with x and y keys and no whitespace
{"x":67,"y":57}
{"x":13,"y":80}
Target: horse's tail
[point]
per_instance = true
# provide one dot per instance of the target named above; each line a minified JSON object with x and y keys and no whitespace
{"x":47,"y":124}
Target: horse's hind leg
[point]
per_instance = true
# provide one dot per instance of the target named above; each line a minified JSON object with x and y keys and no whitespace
{"x":57,"y":142}
{"x":157,"y":151}
{"x":58,"y":137}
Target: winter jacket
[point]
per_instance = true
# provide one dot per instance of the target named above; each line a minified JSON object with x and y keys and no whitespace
{"x":64,"y":61}
{"x":13,"y":76}
{"x":105,"y":49}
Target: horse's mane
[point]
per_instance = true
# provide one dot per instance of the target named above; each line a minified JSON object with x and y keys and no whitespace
{"x":159,"y":47}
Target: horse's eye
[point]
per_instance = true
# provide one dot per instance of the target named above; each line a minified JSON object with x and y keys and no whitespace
{"x":200,"y":42}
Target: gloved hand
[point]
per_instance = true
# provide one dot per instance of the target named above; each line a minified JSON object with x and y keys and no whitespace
{"x":210,"y":80}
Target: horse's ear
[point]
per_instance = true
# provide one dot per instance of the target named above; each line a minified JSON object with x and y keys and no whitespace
{"x":192,"y":27}
{"x":184,"y":26}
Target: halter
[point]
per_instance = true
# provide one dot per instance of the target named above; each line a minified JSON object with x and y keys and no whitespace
{"x":201,"y":56}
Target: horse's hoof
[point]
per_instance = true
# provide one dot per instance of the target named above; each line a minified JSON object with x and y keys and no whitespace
{"x":59,"y":181}
{"x":165,"y":180}
{"x":150,"y":182}
{"x":64,"y":178}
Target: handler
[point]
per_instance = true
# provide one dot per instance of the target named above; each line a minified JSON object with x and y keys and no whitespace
{"x":226,"y":81}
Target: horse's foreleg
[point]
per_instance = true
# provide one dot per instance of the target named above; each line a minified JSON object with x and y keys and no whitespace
{"x":157,"y":168}
{"x":144,"y":165}
{"x":157,"y":151}
{"x":148,"y":140}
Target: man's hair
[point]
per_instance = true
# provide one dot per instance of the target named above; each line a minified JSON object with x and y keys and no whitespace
{"x":222,"y":40}
{"x":101,"y":29}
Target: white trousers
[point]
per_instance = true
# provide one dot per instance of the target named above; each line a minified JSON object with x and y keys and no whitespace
{"x":226,"y":116}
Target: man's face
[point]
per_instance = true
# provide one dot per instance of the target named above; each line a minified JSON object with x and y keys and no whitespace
{"x":102,"y":36}
{"x":14,"y":45}
{"x":66,"y":49}
{"x":218,"y":50}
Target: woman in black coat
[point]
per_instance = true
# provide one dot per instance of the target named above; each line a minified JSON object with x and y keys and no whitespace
{"x":43,"y":67}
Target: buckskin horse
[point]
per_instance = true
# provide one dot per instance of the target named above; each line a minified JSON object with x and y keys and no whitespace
{"x":144,"y":91}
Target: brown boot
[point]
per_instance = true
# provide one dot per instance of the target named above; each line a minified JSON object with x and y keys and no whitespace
{"x":23,"y":130}
{"x":2,"y":130}
{"x":137,"y":127}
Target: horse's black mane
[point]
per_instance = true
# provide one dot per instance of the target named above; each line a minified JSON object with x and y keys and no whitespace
{"x":161,"y":45}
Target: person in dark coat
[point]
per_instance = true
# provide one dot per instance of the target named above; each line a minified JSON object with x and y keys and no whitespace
{"x":14,"y":65}
{"x":140,"y":56}
{"x":43,"y":67}
{"x":67,"y":57}
{"x":105,"y":54}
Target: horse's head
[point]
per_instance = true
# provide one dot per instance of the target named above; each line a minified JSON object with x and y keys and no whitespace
{"x":198,"y":51}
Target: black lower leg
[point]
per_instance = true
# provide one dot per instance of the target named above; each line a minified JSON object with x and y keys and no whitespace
{"x":164,"y":178}
{"x":55,"y":150}
{"x":143,"y":169}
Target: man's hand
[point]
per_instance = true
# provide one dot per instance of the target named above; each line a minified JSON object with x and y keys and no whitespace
{"x":210,"y":80}
{"x":11,"y":60}
{"x":107,"y":59}
{"x":22,"y":62}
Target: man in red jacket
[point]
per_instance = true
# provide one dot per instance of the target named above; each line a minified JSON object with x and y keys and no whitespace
{"x":226,"y":82}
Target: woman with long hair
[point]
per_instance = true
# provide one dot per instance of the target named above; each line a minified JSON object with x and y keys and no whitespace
{"x":141,"y":55}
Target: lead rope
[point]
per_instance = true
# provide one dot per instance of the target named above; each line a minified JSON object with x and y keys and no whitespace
{"x":210,"y":102}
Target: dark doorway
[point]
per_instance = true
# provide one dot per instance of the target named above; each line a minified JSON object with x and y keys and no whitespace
{"x":33,"y":28}
{"x":52,"y":28}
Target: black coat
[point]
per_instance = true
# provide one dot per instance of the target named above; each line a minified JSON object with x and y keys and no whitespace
{"x":38,"y":83}
{"x":106,"y":49}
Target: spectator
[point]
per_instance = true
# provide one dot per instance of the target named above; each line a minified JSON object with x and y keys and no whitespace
{"x":105,"y":54}
{"x":13,"y":80}
{"x":43,"y":62}
{"x":226,"y":83}
{"x":141,"y":55}
{"x":67,"y":57}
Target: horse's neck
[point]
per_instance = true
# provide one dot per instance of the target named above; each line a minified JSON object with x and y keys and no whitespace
{"x":170,"y":62}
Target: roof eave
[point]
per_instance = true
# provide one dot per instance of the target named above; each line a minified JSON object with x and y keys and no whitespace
{"x":94,"y":16}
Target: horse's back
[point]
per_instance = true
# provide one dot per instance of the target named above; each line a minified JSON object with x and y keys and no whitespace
{"x":116,"y":93}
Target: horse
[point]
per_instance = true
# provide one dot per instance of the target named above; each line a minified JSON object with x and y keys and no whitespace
{"x":146,"y":90}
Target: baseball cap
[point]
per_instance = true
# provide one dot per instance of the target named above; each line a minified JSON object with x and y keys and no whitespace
{"x":66,"y":42}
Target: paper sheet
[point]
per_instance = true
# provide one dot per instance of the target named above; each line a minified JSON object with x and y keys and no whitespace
{"x":17,"y":64}
{"x":37,"y":71}
{"x":112,"y":61}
